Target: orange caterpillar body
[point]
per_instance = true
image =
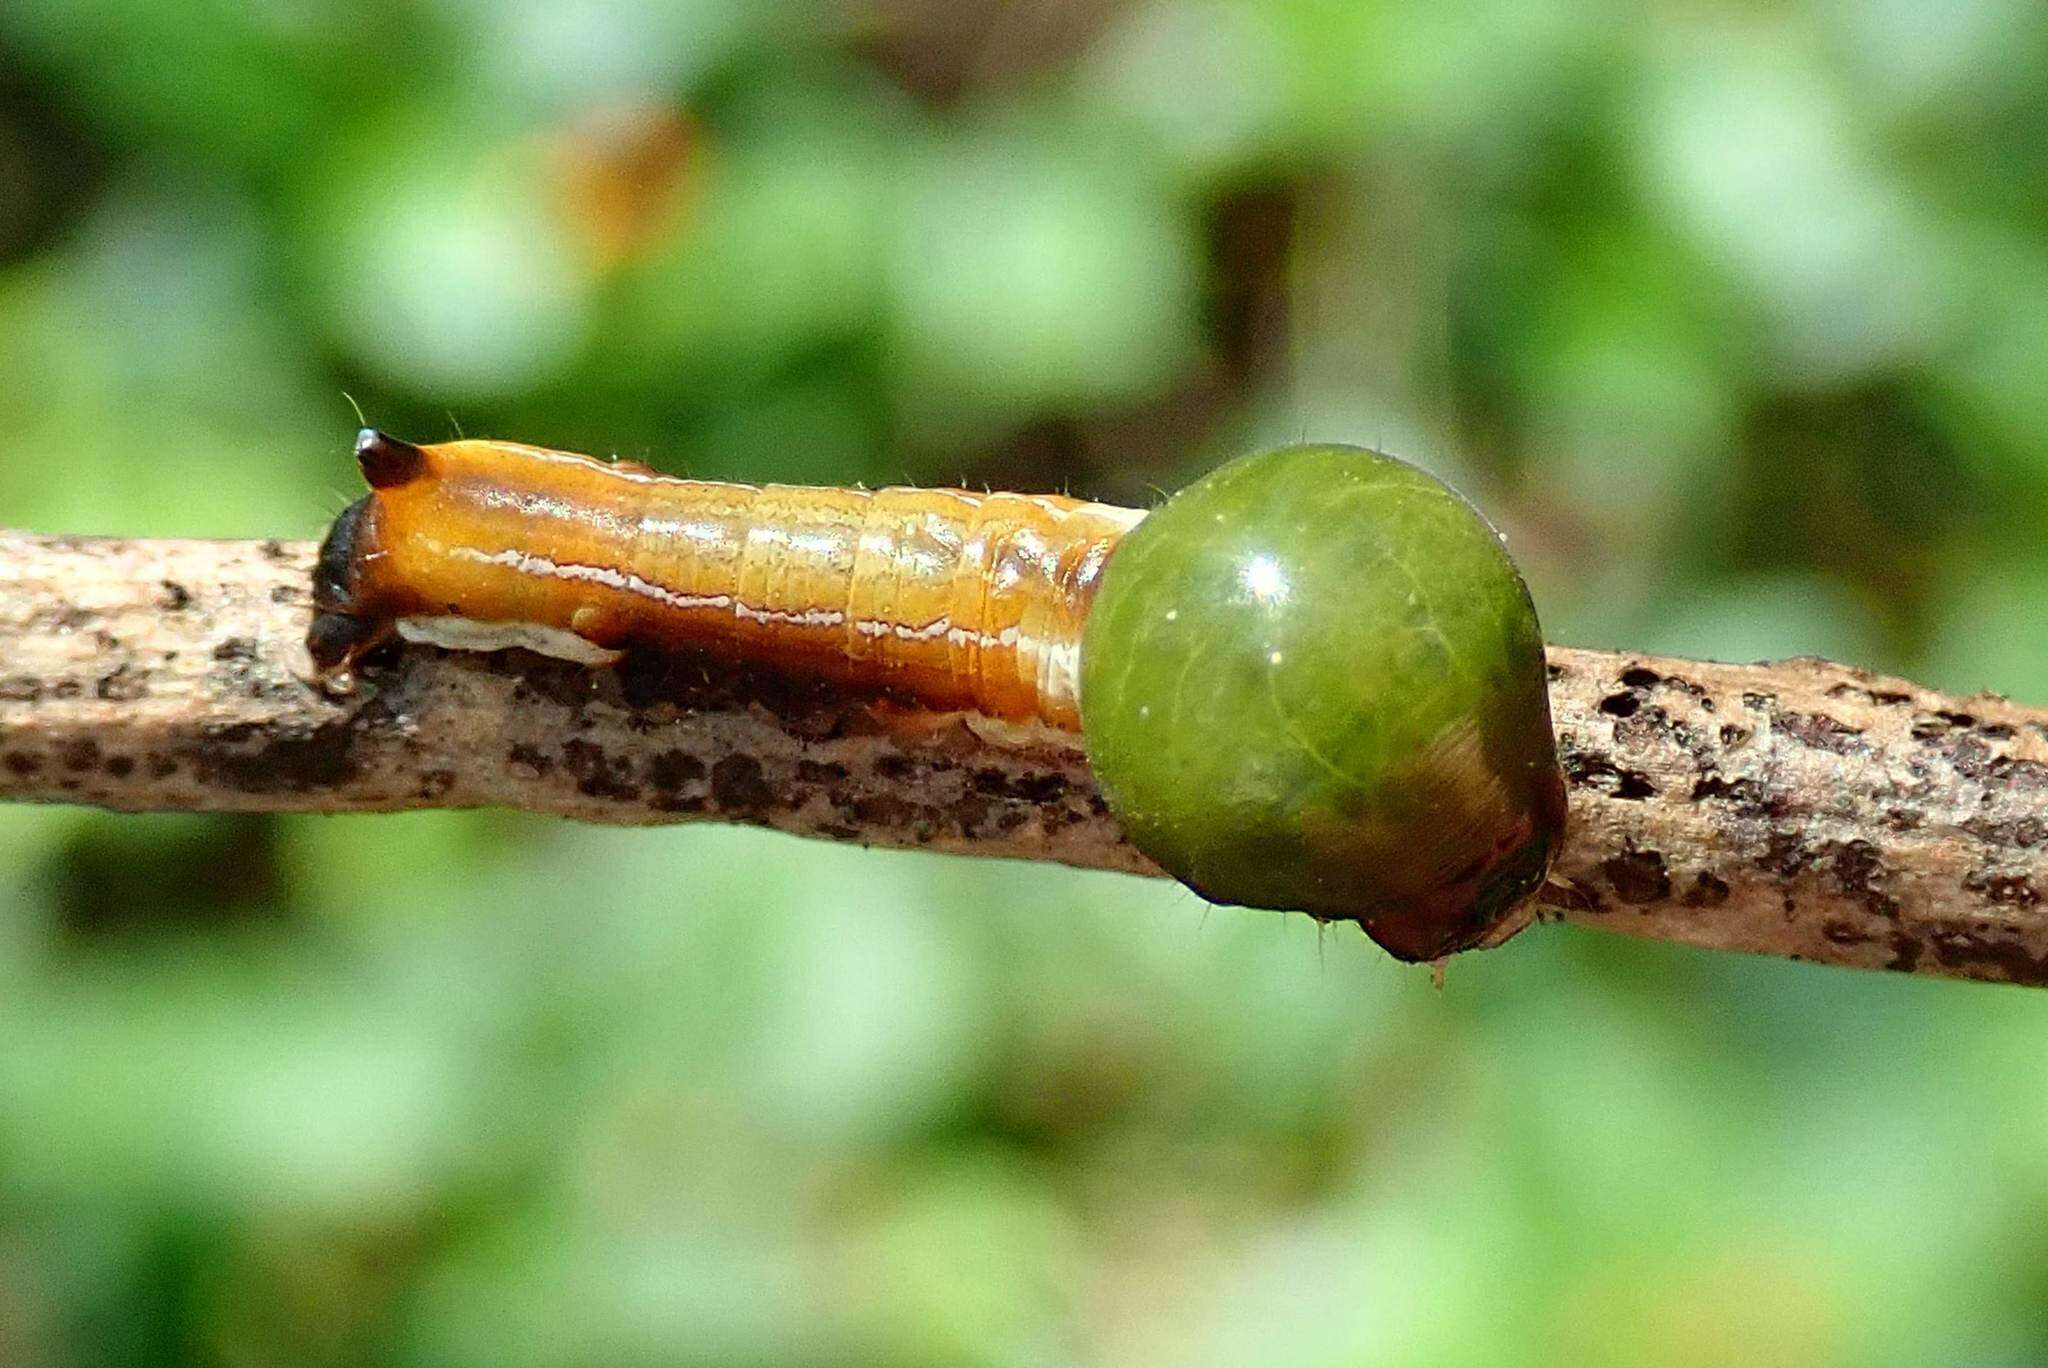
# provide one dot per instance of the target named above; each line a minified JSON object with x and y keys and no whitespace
{"x":955,"y":599}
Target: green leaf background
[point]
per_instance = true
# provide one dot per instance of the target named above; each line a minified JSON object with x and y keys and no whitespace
{"x":1734,"y":316}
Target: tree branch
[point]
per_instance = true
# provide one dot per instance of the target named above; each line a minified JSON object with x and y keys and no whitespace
{"x":1799,"y":808}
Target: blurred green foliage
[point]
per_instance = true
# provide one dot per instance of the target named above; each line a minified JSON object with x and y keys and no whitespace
{"x":1735,"y":316}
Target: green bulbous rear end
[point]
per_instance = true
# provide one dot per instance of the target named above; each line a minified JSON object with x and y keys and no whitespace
{"x":1313,"y":680}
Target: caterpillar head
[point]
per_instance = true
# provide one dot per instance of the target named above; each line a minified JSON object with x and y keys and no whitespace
{"x":347,"y":625}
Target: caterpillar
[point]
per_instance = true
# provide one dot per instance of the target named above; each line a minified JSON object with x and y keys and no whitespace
{"x":1311,"y":680}
{"x":956,"y":599}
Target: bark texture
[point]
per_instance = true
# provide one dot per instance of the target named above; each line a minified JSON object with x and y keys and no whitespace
{"x":1798,"y":808}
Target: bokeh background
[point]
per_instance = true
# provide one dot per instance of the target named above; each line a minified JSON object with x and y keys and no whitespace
{"x":1734,"y":315}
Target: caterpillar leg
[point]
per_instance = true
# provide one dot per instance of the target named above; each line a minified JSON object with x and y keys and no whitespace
{"x":462,"y":634}
{"x":336,"y":641}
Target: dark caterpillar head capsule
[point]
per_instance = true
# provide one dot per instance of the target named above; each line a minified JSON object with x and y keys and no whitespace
{"x":1313,"y":680}
{"x":335,"y":572}
{"x":351,"y":618}
{"x":340,"y":634}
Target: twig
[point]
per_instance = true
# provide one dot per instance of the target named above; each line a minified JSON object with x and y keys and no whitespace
{"x":1799,"y":808}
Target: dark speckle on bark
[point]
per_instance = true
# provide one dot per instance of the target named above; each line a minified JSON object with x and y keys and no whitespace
{"x":1993,"y":886}
{"x":1621,"y":704}
{"x":124,"y":684}
{"x":1819,"y":731}
{"x":257,"y":759}
{"x":597,"y":774}
{"x":531,"y":759}
{"x":739,"y":788}
{"x":1638,"y":877}
{"x":1708,"y":890}
{"x":672,"y":771}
